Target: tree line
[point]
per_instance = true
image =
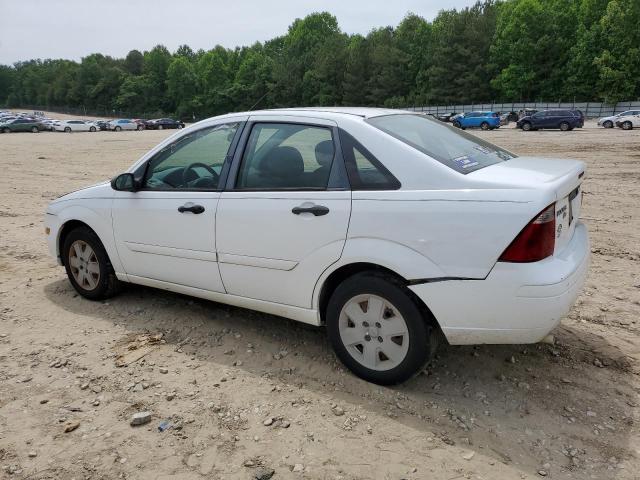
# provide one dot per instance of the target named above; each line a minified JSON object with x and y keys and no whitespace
{"x":502,"y":50}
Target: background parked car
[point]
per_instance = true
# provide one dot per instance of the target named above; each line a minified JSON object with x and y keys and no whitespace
{"x":161,"y":123}
{"x":141,"y":123}
{"x":629,"y":122}
{"x":563,"y":119}
{"x":21,"y":125}
{"x":102,"y":124}
{"x":610,"y":122}
{"x":483,"y":120}
{"x":122,"y":124}
{"x":75,"y":126}
{"x":446,"y":117}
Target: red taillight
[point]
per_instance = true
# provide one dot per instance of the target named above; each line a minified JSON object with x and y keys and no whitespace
{"x":536,"y":241}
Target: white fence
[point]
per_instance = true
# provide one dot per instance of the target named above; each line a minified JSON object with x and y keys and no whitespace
{"x":590,"y":109}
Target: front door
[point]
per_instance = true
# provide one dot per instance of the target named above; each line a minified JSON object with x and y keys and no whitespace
{"x":166,"y":230}
{"x":283,"y":219}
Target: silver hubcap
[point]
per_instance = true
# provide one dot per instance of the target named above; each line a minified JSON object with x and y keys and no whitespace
{"x":84,"y":265}
{"x":374,"y":332}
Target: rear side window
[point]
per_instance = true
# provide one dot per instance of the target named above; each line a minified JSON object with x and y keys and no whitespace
{"x":365,"y":172}
{"x":452,"y":147}
{"x":286,"y":156}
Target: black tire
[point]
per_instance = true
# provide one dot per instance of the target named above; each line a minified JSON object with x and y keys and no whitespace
{"x":484,"y":126}
{"x":565,"y":127}
{"x":526,"y":126}
{"x":608,"y":124}
{"x":35,"y":130}
{"x":160,"y":127}
{"x":92,"y":129}
{"x":118,"y":128}
{"x":6,"y":130}
{"x":67,"y":129}
{"x":627,"y":125}
{"x":421,"y":337}
{"x":140,"y":127}
{"x":108,"y":284}
{"x":457,"y":124}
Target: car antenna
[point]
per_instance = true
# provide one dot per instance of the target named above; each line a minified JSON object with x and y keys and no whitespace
{"x":262,"y":97}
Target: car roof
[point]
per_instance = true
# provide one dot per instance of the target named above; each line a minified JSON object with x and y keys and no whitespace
{"x":364,"y":112}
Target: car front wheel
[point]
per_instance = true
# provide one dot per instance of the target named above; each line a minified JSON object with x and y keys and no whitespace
{"x":34,"y":130}
{"x":92,"y":129}
{"x":457,"y":124}
{"x":88,"y":266}
{"x":378,"y":330}
{"x":526,"y":126}
{"x":608,"y":124}
{"x":118,"y":128}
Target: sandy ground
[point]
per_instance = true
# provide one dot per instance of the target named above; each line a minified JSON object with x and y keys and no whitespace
{"x":247,"y":394}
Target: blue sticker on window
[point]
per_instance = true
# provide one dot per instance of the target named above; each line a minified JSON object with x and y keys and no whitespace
{"x":465,"y":162}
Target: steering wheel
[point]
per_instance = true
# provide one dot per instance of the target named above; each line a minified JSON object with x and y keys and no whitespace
{"x":190,"y":167}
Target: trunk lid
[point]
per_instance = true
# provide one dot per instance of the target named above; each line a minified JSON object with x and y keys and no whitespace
{"x":562,"y":178}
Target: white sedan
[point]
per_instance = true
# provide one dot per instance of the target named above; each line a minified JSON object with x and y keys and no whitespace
{"x":74,"y":126}
{"x":610,"y":122}
{"x":123,"y":124}
{"x":389,"y":228}
{"x":629,"y":122}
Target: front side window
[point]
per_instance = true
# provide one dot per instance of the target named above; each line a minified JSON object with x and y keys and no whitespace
{"x":193,"y":162}
{"x":456,"y":149}
{"x":285,"y":156}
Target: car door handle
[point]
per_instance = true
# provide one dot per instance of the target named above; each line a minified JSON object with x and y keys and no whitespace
{"x":317,"y":210}
{"x":191,"y":207}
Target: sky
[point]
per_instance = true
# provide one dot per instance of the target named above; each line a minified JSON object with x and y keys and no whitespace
{"x":72,"y":29}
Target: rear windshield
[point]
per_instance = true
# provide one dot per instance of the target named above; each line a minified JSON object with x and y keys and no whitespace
{"x":450,"y":146}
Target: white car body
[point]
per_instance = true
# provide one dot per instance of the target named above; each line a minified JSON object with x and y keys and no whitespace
{"x":74,"y":126}
{"x":442,"y":232}
{"x":610,"y":122}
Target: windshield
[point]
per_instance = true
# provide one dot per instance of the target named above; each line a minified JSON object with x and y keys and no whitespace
{"x":458,"y":150}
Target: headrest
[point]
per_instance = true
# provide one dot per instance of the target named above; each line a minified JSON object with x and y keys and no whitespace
{"x":282,"y":162}
{"x":324,"y":153}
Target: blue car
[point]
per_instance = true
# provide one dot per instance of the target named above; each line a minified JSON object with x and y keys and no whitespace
{"x":483,"y":120}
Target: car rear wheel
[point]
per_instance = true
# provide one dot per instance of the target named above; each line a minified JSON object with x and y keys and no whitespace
{"x":92,"y":129}
{"x":160,"y":127}
{"x":180,"y":127}
{"x":6,"y":130}
{"x":67,"y":129}
{"x":484,"y":126}
{"x":140,"y":127}
{"x":34,"y":130}
{"x":608,"y":124}
{"x":627,"y":125}
{"x":88,"y":266}
{"x":118,"y":128}
{"x":378,"y":330}
{"x":565,"y":127}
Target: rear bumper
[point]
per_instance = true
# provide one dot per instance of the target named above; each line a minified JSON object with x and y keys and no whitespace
{"x":516,"y":303}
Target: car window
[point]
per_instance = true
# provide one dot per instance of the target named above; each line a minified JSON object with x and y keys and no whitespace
{"x":193,"y":162}
{"x":364,"y":170}
{"x":456,"y":149}
{"x":287,"y":156}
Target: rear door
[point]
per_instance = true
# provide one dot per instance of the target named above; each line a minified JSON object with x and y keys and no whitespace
{"x":284,"y":216}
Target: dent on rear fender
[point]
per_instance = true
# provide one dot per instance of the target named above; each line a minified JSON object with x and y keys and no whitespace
{"x":393,"y":256}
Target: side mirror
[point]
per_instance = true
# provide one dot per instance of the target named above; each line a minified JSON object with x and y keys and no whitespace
{"x":124,"y":183}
